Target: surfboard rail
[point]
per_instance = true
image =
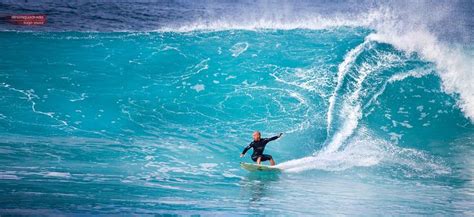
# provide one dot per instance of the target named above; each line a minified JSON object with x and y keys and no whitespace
{"x":255,"y":167}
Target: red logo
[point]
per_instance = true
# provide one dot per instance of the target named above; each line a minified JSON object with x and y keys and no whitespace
{"x":28,"y":19}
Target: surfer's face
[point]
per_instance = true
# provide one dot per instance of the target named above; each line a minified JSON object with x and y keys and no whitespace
{"x":256,"y":136}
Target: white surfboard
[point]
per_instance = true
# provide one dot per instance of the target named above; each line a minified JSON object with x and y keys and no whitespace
{"x":256,"y":167}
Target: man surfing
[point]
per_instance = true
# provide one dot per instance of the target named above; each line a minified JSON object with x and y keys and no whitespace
{"x":258,"y":144}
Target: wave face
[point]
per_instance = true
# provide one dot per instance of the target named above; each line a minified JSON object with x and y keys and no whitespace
{"x":371,"y":101}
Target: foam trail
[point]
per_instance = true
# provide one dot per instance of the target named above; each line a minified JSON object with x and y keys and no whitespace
{"x":363,"y":152}
{"x":329,"y":156}
{"x":352,"y":112}
{"x":341,"y":73}
{"x":365,"y":149}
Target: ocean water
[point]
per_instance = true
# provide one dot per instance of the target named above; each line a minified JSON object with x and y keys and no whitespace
{"x":144,"y":109}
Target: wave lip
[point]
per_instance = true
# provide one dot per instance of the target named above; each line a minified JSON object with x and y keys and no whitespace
{"x":454,"y":66}
{"x":312,"y":22}
{"x":343,"y":68}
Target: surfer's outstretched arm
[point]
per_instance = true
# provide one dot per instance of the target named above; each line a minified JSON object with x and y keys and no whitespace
{"x":275,"y":137}
{"x":245,"y":150}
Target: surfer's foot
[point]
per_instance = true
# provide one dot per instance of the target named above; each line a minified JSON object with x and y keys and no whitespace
{"x":272,"y":162}
{"x":259,"y":160}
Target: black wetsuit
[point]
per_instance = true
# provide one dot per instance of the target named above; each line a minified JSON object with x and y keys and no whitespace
{"x":259,"y":147}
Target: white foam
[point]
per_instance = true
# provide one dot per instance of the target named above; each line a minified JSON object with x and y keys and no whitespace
{"x":366,"y":150}
{"x":351,"y":110}
{"x":82,"y":97}
{"x":230,"y":77}
{"x":359,"y":153}
{"x":412,"y":73}
{"x":58,"y":174}
{"x":207,"y":166}
{"x":312,"y":21}
{"x":198,"y":87}
{"x":9,"y":177}
{"x":239,"y":48}
{"x":30,"y":96}
{"x":313,"y":79}
{"x":341,"y":74}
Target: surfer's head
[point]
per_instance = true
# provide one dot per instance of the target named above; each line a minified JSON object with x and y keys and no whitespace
{"x":256,"y":136}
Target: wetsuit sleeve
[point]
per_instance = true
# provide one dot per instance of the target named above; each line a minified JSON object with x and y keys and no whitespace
{"x":247,"y":148}
{"x":272,"y":138}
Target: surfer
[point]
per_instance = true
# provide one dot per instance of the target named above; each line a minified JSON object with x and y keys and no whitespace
{"x":258,"y":144}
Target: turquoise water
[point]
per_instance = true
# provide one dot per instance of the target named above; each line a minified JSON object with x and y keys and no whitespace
{"x":154,"y":122}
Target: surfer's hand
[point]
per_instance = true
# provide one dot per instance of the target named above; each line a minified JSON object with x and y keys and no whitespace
{"x":279,"y":135}
{"x":241,"y":155}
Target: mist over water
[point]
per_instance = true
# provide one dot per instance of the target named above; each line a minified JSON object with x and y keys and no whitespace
{"x":144,"y":108}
